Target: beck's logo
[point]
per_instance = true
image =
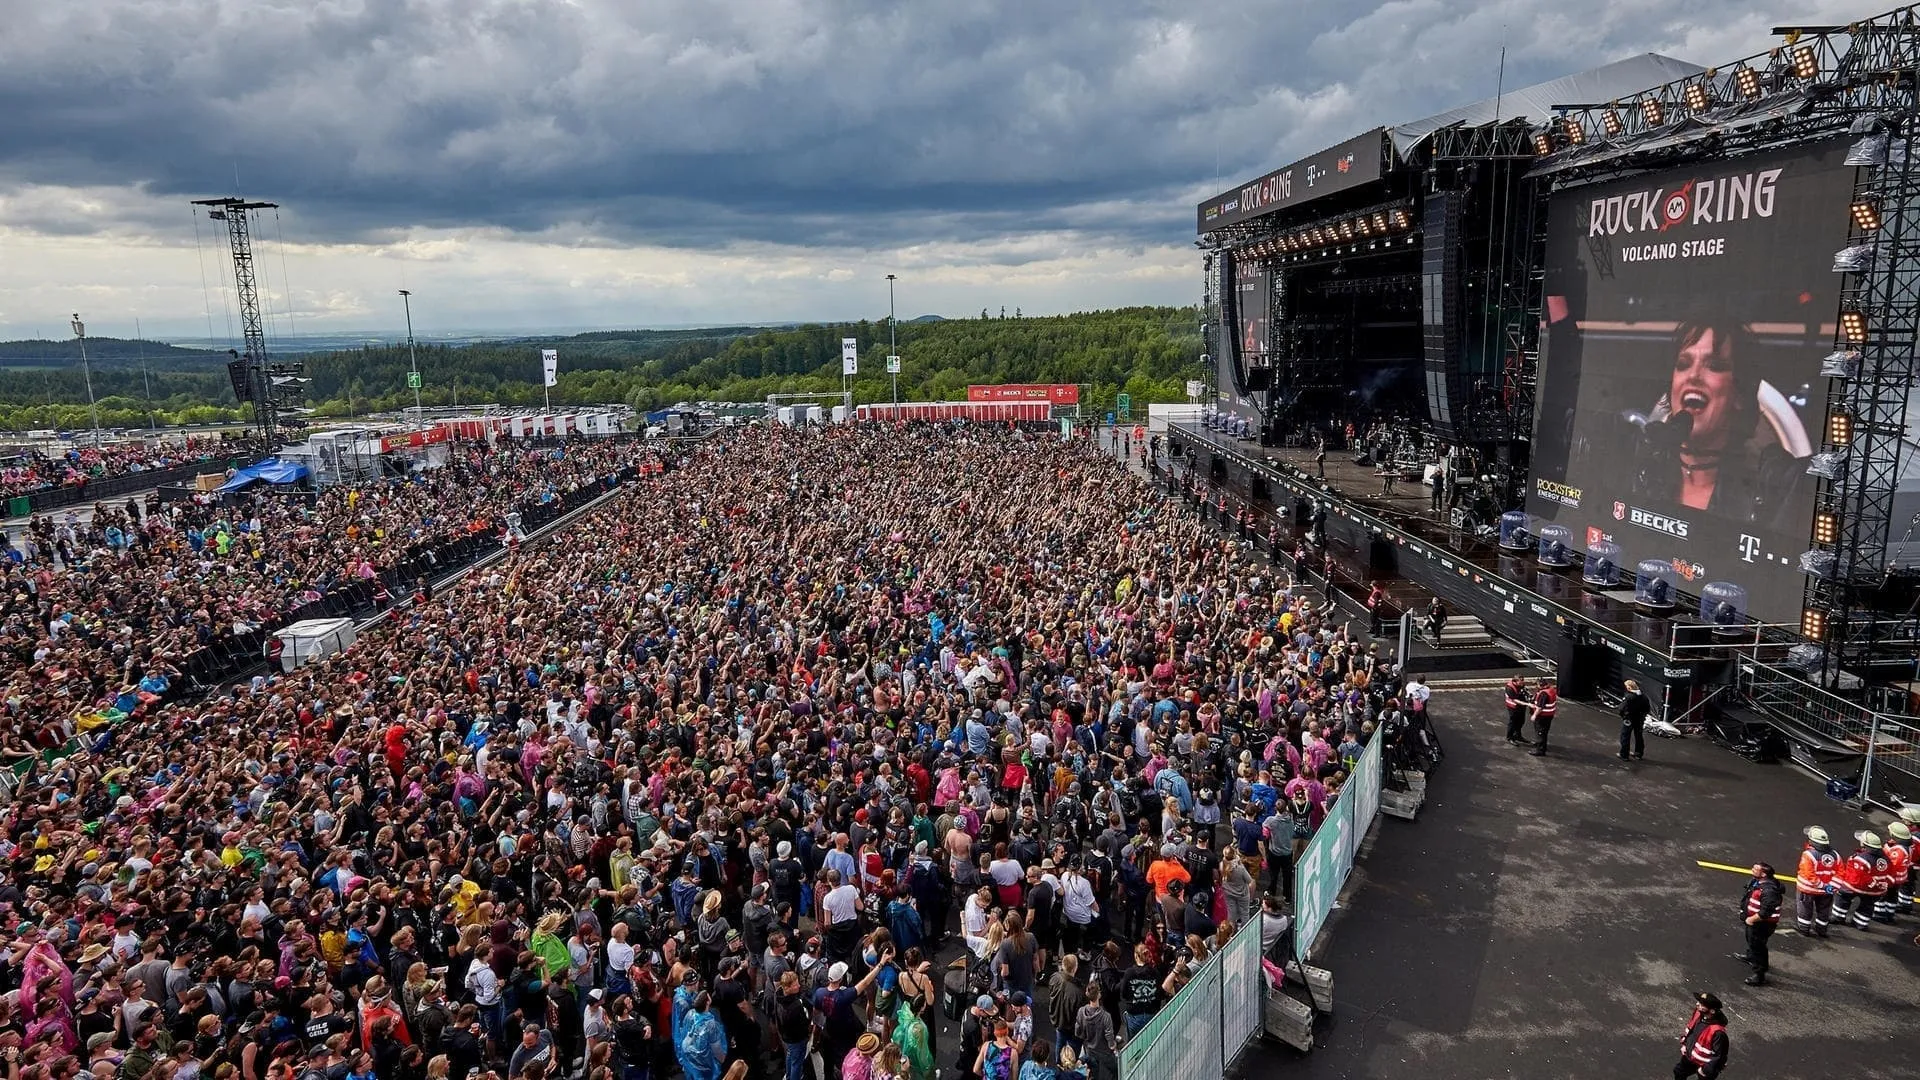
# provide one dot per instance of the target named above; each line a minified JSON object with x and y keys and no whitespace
{"x":1659,"y":523}
{"x":1619,"y":511}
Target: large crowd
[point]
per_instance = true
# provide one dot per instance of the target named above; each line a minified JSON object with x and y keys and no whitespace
{"x":779,"y":764}
{"x":36,"y":469}
{"x":115,"y":604}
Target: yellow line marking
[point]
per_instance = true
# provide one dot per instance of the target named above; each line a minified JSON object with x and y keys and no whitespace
{"x":1744,"y":871}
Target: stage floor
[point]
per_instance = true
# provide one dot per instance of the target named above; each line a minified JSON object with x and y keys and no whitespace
{"x":1409,"y":509}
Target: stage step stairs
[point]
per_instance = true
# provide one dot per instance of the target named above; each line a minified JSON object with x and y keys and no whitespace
{"x":1464,"y":632}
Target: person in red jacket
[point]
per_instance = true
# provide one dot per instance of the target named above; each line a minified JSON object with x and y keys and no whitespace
{"x":1759,"y":917}
{"x":1899,"y":852}
{"x":1546,"y":701}
{"x":1704,"y":1047}
{"x":1903,"y":901}
{"x":1814,"y":884}
{"x":1516,"y":710}
{"x":1862,"y":880}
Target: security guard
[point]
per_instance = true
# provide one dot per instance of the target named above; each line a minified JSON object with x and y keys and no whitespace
{"x":1516,"y":709}
{"x":1760,"y":914}
{"x":1862,"y":880}
{"x":1899,"y":852}
{"x":1703,"y":1049}
{"x":1813,"y":907}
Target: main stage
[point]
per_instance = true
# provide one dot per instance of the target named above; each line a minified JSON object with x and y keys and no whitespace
{"x":1597,"y":639}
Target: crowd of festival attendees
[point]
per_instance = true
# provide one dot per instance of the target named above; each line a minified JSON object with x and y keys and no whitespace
{"x":852,"y":753}
{"x":37,"y":470}
{"x":89,"y":608}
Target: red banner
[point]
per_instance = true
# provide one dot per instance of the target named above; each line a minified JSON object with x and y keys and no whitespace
{"x":1052,"y":393}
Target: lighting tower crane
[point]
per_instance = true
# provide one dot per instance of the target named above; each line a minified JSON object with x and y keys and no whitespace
{"x":274,"y":388}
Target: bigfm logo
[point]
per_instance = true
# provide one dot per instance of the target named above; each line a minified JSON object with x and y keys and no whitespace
{"x":1696,"y":202}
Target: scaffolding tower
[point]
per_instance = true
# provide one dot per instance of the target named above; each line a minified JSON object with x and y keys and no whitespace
{"x":274,"y":389}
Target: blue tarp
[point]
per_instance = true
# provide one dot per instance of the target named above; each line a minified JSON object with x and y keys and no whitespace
{"x":270,"y":471}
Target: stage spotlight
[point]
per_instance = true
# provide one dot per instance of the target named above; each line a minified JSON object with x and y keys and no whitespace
{"x":1401,"y":219}
{"x":1543,"y":144}
{"x":1827,"y":464}
{"x":1826,"y":528}
{"x":1655,"y":113}
{"x":1346,"y":230}
{"x":1853,"y":327}
{"x":1576,"y":134}
{"x":1813,"y":624}
{"x":1318,"y":235}
{"x":1806,"y":63}
{"x":1839,"y":429}
{"x":1820,"y":564}
{"x":1866,"y":215}
{"x":1871,"y":150}
{"x":1364,"y":224}
{"x":1696,"y":97}
{"x":1841,"y":364}
{"x":1854,"y":259}
{"x":1379,"y":221}
{"x":1611,"y":123}
{"x":1748,"y":80}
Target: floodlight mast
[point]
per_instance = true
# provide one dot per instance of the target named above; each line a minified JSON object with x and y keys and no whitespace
{"x":235,"y":211}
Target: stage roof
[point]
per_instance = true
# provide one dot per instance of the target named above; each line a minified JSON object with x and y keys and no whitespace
{"x":1609,"y":82}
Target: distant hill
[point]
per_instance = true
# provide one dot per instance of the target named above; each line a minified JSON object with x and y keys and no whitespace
{"x":104,"y":353}
{"x":1146,"y":352}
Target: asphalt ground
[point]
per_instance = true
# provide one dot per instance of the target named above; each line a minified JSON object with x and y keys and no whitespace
{"x":1545,"y":917}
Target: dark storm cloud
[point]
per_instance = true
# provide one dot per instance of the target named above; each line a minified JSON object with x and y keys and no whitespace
{"x":838,"y":122}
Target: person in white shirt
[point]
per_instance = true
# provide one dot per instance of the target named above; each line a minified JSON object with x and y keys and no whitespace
{"x":973,"y":919}
{"x":1079,"y":907}
{"x":842,"y":902}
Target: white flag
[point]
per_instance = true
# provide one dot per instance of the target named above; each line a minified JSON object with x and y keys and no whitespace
{"x":550,"y":361}
{"x":849,"y":356}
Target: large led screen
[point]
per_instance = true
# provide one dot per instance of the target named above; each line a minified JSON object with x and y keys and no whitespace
{"x":1687,"y":314}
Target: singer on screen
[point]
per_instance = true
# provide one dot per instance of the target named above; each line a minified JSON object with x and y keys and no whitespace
{"x":1722,"y":439}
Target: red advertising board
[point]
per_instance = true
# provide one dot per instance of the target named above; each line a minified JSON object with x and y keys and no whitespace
{"x":1052,"y":393}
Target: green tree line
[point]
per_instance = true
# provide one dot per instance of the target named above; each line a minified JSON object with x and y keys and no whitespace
{"x":1146,"y":352}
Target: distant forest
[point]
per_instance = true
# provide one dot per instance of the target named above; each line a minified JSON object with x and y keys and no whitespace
{"x":1146,"y":352}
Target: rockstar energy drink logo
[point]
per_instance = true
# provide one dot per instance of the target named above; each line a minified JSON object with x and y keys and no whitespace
{"x":1563,"y":494}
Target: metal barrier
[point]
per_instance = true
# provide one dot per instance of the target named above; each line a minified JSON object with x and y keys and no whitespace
{"x":1197,"y":1035}
{"x":109,"y":487}
{"x":1886,"y":744}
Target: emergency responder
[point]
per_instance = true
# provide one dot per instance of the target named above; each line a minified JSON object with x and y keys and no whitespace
{"x":1903,"y":902}
{"x":1516,"y":710}
{"x":1545,"y":701}
{"x":1760,"y":914}
{"x":1703,"y":1049}
{"x":1861,"y":880}
{"x":1814,"y":882}
{"x":1899,"y":852}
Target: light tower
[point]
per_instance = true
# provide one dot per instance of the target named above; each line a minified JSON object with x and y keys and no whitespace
{"x":272,"y":389}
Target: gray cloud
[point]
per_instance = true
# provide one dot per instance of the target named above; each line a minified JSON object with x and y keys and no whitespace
{"x":806,"y":122}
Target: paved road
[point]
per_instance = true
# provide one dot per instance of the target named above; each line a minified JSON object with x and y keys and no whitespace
{"x":1545,"y":918}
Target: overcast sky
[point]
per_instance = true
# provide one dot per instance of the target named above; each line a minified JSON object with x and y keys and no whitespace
{"x":545,"y":164}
